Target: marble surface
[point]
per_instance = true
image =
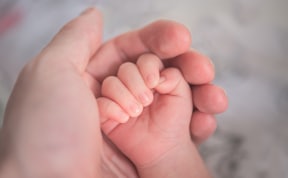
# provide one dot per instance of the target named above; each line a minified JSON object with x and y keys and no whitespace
{"x":247,"y":41}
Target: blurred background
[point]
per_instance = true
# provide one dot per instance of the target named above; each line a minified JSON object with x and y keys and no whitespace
{"x":246,"y":39}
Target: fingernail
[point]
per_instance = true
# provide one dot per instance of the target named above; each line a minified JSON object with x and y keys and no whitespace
{"x":123,"y":117}
{"x":225,"y":92}
{"x":212,"y":64}
{"x":151,"y":80}
{"x":135,"y":109}
{"x":145,"y":98}
{"x":87,"y":11}
{"x":161,"y":80}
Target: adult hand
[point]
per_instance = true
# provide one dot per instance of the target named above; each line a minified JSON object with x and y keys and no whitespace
{"x":171,"y":42}
{"x":51,"y":125}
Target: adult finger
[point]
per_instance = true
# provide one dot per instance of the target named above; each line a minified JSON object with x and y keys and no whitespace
{"x":209,"y":99}
{"x":196,"y":67}
{"x":166,"y":39}
{"x":76,"y":42}
{"x":202,"y":126}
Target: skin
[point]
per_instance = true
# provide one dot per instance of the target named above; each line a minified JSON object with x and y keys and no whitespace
{"x":51,"y":125}
{"x":157,"y":134}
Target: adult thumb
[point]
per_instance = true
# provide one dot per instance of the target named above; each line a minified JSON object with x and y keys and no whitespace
{"x":76,"y":42}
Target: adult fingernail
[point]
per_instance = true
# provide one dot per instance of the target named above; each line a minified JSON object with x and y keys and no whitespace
{"x":87,"y":11}
{"x":212,"y":64}
{"x":225,"y":92}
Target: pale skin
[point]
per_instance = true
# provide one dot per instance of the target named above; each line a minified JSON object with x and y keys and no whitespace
{"x":156,"y":132}
{"x":52,"y":126}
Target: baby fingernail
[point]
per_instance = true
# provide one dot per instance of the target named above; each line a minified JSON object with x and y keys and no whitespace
{"x":123,"y":117}
{"x":145,"y":98}
{"x":151,"y":80}
{"x":162,"y":79}
{"x":135,"y":109}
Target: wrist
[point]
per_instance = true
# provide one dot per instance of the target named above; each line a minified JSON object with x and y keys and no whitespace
{"x":182,"y":161}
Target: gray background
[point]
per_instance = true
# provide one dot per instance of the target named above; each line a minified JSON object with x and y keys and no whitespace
{"x":246,"y":39}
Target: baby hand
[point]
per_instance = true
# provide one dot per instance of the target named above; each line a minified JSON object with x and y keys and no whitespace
{"x":145,"y":110}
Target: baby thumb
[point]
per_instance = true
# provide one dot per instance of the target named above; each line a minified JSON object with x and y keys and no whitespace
{"x":173,"y":83}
